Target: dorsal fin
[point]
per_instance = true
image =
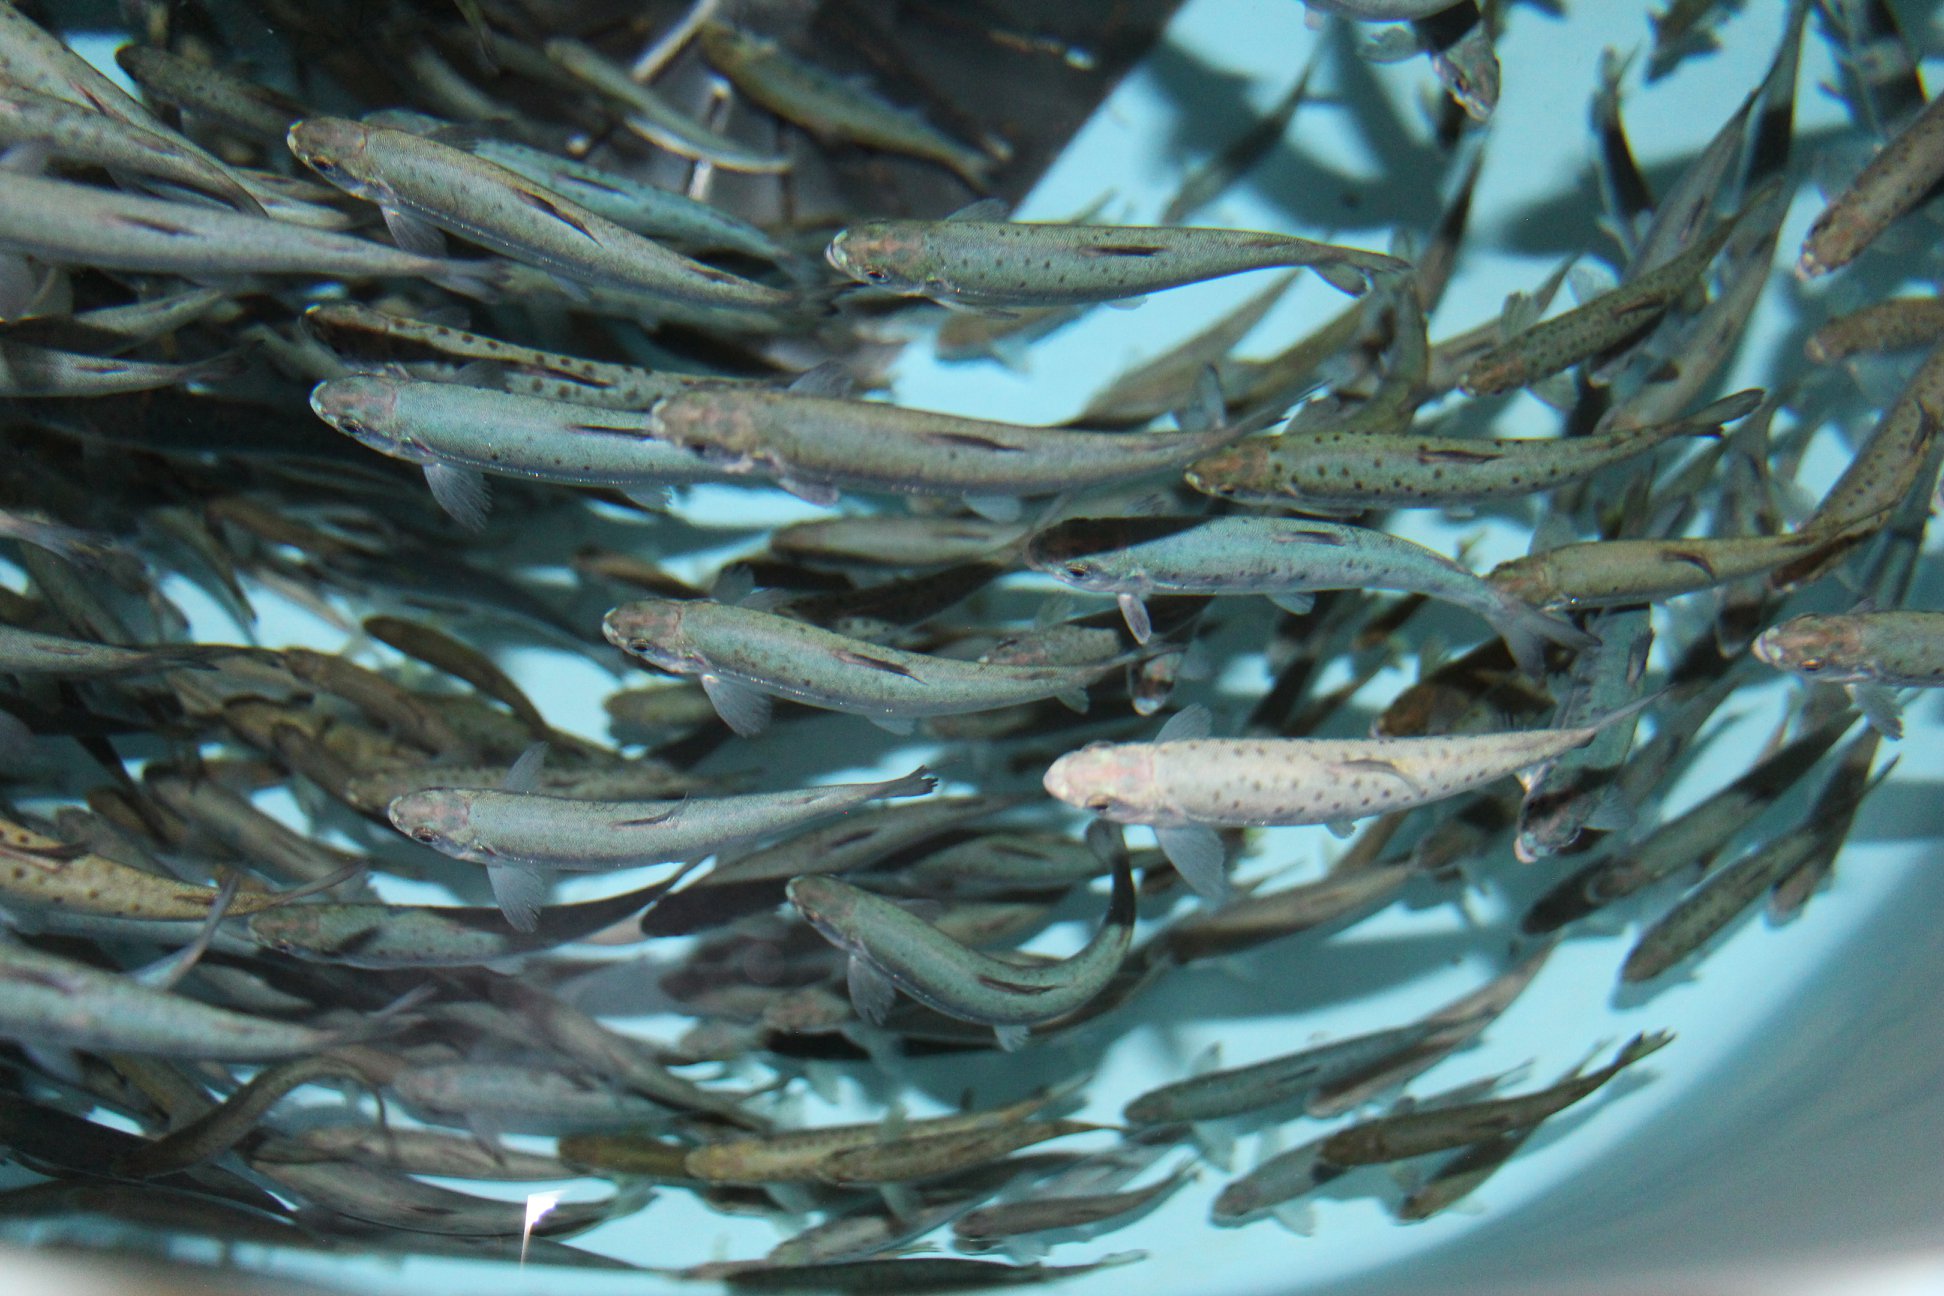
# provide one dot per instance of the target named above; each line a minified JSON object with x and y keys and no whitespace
{"x":1188,"y":723}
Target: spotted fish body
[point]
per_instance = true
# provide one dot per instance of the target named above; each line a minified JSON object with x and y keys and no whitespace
{"x":832,"y":108}
{"x":1260,"y":782}
{"x":1902,"y":649}
{"x":915,"y":957}
{"x":1001,"y":264}
{"x":816,"y":445}
{"x":1559,"y":343}
{"x":1350,"y":471}
{"x":1280,"y":557}
{"x":78,"y":134}
{"x":1893,"y":325}
{"x":1614,"y":573}
{"x":369,"y":338}
{"x":502,"y":210}
{"x":501,"y":433}
{"x":488,"y":826}
{"x":82,"y":225}
{"x":1895,"y":181}
{"x":749,"y":650}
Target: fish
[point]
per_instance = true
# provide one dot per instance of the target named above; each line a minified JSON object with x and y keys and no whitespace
{"x":1693,"y":837}
{"x":989,"y":1227}
{"x":1185,"y":784}
{"x":1325,"y":1071}
{"x":533,"y":1099}
{"x":792,"y":1156}
{"x":975,"y":262}
{"x":1710,"y":907}
{"x":30,"y":652}
{"x":524,"y":837}
{"x":890,"y":950}
{"x":398,"y":1202}
{"x":459,"y":434}
{"x":1684,"y":29}
{"x":1557,"y":344}
{"x":1275,"y":1181}
{"x":1893,"y":183}
{"x":745,"y":656}
{"x":373,"y":935}
{"x":1261,"y":917}
{"x":53,"y":1003}
{"x":1240,"y":155}
{"x":1167,"y":381}
{"x":460,"y":660}
{"x":69,"y":223}
{"x":816,"y":446}
{"x":930,"y":1156}
{"x":1616,"y":573}
{"x":228,"y":1123}
{"x":1580,"y":790}
{"x":1884,"y":469}
{"x":422,"y":184}
{"x":34,"y":59}
{"x":909,"y":1276}
{"x":77,"y":134}
{"x":629,"y":202}
{"x":373,"y":341}
{"x":412,"y":1151}
{"x":901,"y":541}
{"x":211,"y":93}
{"x":1347,"y":472}
{"x":1287,"y":559}
{"x":627,"y":1061}
{"x":655,"y":119}
{"x":1868,"y":652}
{"x":835,"y":109}
{"x":1897,"y":324}
{"x":1416,"y":1133}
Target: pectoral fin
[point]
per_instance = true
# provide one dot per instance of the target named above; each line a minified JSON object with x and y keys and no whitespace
{"x":1879,"y":706}
{"x":413,"y":234}
{"x":461,"y":492}
{"x":1197,"y":854}
{"x":871,"y":992}
{"x":520,"y":890}
{"x":742,"y":708}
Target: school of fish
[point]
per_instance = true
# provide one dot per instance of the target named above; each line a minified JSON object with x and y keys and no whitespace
{"x":426,"y":322}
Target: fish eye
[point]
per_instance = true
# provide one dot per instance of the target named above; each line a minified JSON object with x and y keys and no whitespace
{"x":640,"y":645}
{"x":424,"y":834}
{"x":877,"y":276}
{"x":1079,"y":569}
{"x":1099,"y":801}
{"x":1810,"y":665}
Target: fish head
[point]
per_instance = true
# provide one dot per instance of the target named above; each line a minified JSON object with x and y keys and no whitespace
{"x":334,"y":148}
{"x":1226,"y":473}
{"x":435,"y":817}
{"x":287,"y":930}
{"x":716,"y":431}
{"x":1072,"y":555}
{"x":1115,"y":780}
{"x":364,"y":407}
{"x":1814,"y":647}
{"x":824,"y":902}
{"x":1530,"y":580}
{"x":884,"y":254}
{"x":651,"y":629}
